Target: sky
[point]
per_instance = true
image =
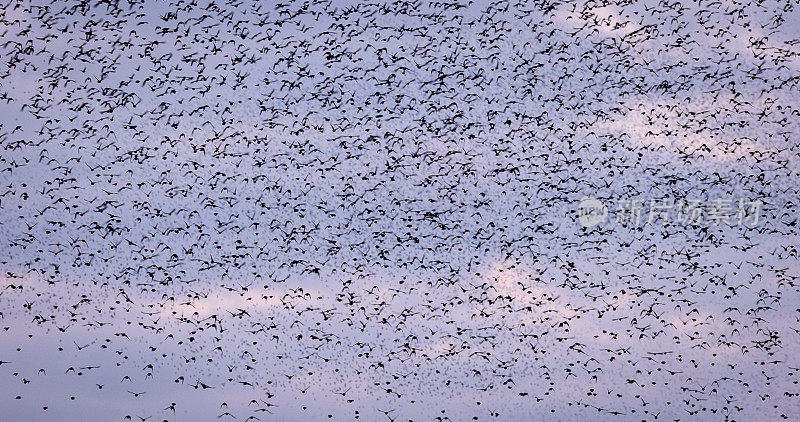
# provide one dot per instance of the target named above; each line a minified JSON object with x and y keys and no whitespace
{"x":381,"y":211}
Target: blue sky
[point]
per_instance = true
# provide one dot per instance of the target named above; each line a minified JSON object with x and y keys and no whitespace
{"x":347,"y":209}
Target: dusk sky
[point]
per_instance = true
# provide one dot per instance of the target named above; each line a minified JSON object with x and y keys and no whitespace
{"x":456,"y":210}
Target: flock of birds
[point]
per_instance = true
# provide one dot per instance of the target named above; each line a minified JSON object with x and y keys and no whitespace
{"x":236,"y":210}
